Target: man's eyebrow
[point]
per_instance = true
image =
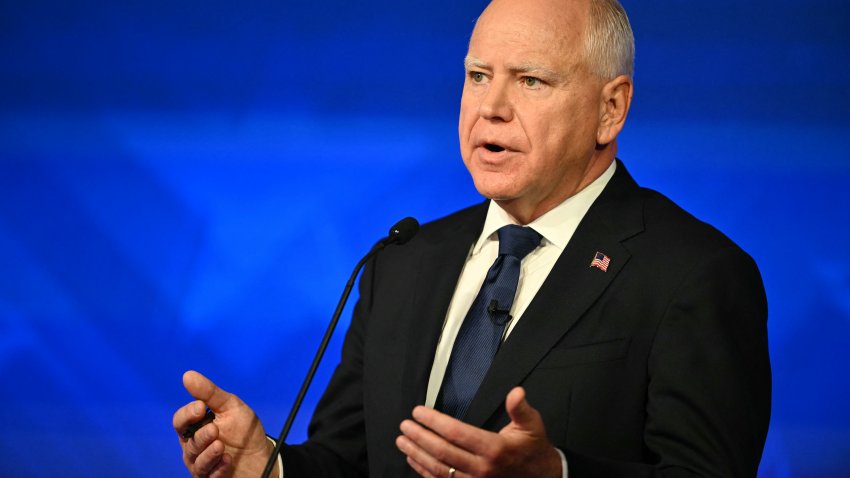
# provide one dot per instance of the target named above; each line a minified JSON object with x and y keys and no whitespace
{"x":537,"y":70}
{"x":470,"y":62}
{"x":533,"y":68}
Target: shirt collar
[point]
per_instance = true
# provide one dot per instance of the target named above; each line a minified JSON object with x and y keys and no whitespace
{"x":556,"y":226}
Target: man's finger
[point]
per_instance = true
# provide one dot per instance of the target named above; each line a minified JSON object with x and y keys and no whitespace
{"x":426,"y":463}
{"x":522,"y":414}
{"x":205,"y":390}
{"x":196,"y":445}
{"x":419,"y":469}
{"x":443,"y":451}
{"x":223,"y":468}
{"x":463,"y":435}
{"x":187,"y":415}
{"x":209,"y":459}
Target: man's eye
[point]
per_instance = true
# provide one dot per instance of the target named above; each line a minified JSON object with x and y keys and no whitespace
{"x":477,"y":76}
{"x":531,"y":81}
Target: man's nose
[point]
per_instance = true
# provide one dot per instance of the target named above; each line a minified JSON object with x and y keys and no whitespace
{"x":496,"y":103}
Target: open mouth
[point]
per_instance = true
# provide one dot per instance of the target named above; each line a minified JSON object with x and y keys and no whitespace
{"x":495,"y":148}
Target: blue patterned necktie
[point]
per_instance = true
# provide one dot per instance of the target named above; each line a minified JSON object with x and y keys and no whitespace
{"x":481,"y":332}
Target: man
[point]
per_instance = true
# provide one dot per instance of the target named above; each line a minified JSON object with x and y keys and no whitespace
{"x":634,"y":341}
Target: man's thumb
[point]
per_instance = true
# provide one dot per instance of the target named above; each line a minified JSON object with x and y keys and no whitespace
{"x":206,"y":391}
{"x":522,"y":414}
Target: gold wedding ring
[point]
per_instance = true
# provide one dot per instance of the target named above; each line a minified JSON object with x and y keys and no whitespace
{"x":452,"y":472}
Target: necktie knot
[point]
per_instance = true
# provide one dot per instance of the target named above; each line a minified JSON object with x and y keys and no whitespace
{"x":517,"y":241}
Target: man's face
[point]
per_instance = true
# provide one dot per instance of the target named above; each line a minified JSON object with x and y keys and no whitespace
{"x":530,"y":107}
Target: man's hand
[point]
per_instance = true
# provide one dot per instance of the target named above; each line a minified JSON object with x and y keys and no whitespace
{"x":435,"y":443}
{"x":232,"y":445}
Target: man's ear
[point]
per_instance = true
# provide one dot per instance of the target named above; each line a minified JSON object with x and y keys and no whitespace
{"x":614,"y":107}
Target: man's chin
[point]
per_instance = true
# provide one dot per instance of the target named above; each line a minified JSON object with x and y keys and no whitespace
{"x":496,"y":185}
{"x":497,"y":194}
{"x":504,"y":200}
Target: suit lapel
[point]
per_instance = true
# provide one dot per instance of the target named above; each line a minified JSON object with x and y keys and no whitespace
{"x":438,"y":267}
{"x":571,"y":288}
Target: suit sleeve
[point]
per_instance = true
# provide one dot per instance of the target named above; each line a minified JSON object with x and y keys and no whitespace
{"x":708,"y":397}
{"x":336,"y":445}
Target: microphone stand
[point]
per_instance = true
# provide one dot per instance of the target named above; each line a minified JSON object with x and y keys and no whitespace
{"x":400,"y":233}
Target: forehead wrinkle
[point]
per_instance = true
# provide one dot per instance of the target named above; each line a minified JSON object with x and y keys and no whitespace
{"x":554,"y":55}
{"x":555,"y":33}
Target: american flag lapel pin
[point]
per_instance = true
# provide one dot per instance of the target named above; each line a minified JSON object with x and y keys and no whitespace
{"x":600,"y":261}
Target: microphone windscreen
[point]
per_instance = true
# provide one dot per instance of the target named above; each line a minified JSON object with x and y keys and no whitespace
{"x":404,"y":230}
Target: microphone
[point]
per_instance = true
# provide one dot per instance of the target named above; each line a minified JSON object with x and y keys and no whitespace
{"x":497,"y":315}
{"x":400,"y":233}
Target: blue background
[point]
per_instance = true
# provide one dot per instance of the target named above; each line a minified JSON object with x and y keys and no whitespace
{"x":188,"y":184}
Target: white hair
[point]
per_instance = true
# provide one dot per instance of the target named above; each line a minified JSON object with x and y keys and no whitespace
{"x":609,"y":41}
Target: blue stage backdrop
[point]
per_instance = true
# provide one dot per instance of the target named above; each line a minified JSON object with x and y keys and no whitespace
{"x":188,"y":184}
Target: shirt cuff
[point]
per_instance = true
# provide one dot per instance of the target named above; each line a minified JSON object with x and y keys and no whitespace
{"x":280,"y":459}
{"x":565,"y":473}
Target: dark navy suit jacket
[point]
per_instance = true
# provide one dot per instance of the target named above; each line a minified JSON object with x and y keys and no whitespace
{"x":656,"y":367}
